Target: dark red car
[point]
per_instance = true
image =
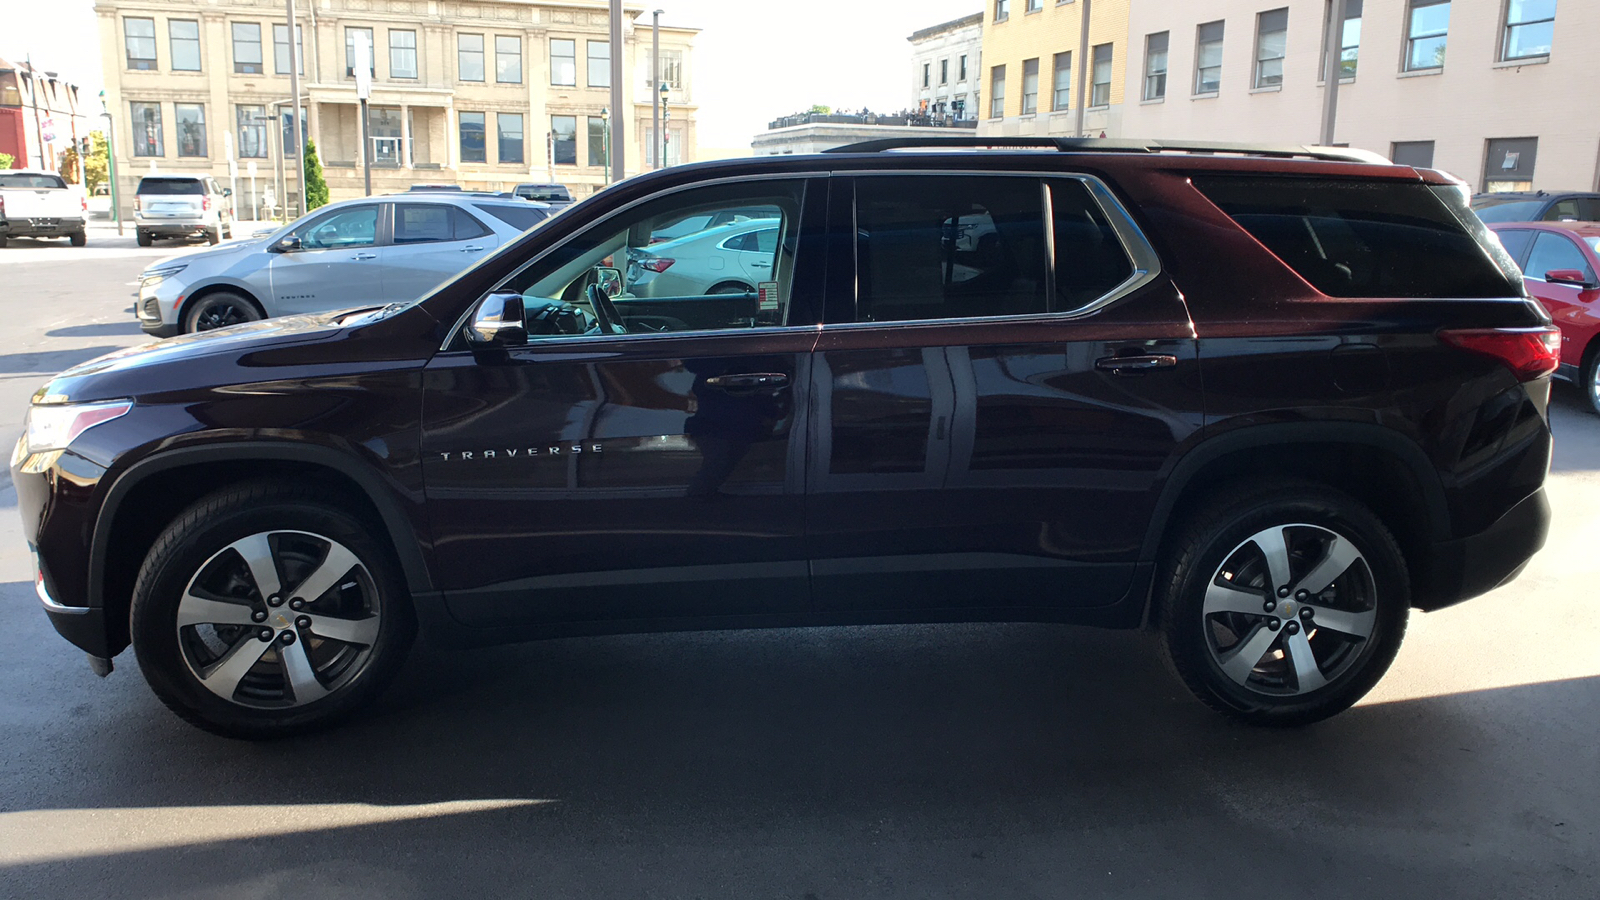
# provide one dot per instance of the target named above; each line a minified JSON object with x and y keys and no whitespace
{"x":1559,"y":262}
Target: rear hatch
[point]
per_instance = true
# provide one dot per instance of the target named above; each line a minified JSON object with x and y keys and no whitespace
{"x":173,"y":198}
{"x":37,"y":195}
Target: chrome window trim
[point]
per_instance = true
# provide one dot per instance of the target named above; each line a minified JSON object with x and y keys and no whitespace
{"x":1146,"y":264}
{"x":461,"y":321}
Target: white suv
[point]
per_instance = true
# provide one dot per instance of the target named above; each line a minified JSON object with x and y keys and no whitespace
{"x":181,"y":206}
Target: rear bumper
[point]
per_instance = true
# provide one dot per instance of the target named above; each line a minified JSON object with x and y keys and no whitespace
{"x":1465,"y":568}
{"x":174,"y":227}
{"x":41,"y":227}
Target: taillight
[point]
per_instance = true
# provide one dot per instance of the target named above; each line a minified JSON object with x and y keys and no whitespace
{"x":205,"y":202}
{"x":2,"y":207}
{"x":656,"y":264}
{"x":1528,"y":352}
{"x":137,"y":206}
{"x":83,"y":202}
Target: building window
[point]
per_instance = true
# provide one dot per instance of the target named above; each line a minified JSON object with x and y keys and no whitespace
{"x":1155,"y":66}
{"x":507,"y":59}
{"x":252,"y":123}
{"x":1062,"y":96}
{"x":1349,"y":40}
{"x":247,"y":48}
{"x":1208,"y":59}
{"x":961,"y":68}
{"x":184,"y":35}
{"x":1030,"y":86}
{"x":191,"y":119}
{"x":1508,"y":166}
{"x":564,"y":62}
{"x":599,"y":64}
{"x":473,"y":149}
{"x":1002,"y":10}
{"x":280,"y":49}
{"x":1035,"y":5}
{"x":510,"y":133}
{"x":469,"y":57}
{"x":1100,"y":76}
{"x":1418,"y":154}
{"x":1427,"y":26}
{"x":402,"y":54}
{"x":597,"y":142}
{"x":564,"y":140}
{"x":350,"y":51}
{"x":997,"y":92}
{"x":671,"y":69}
{"x":147,"y":130}
{"x":1530,"y":28}
{"x":139,"y":36}
{"x":944,"y":71}
{"x":1272,"y":39}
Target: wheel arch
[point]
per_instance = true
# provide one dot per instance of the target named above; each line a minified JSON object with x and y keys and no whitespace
{"x":215,"y":288}
{"x":146,"y":497}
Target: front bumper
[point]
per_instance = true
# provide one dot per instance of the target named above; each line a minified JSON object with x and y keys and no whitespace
{"x":41,"y":227}
{"x":84,"y":626}
{"x":1465,"y":568}
{"x":156,"y":305}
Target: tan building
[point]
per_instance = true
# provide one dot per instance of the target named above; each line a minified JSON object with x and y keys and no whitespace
{"x":480,"y":93}
{"x":947,"y":68}
{"x":1034,"y":67}
{"x":1495,"y":92}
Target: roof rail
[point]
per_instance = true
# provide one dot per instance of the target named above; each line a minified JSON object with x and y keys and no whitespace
{"x":1114,"y":145}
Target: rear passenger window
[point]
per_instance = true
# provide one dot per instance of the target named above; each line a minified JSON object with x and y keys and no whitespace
{"x":1363,"y":238}
{"x":417,"y":223}
{"x":519,"y":217}
{"x":938,"y":247}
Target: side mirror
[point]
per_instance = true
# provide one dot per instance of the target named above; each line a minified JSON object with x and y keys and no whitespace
{"x":609,"y":278}
{"x":498,"y":321}
{"x":286,"y":245}
{"x":1567,"y":276}
{"x":227,"y":192}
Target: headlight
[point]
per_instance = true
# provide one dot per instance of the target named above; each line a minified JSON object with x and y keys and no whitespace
{"x":56,"y":426}
{"x":149,"y":276}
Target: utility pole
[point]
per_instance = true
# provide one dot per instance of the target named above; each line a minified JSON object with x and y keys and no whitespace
{"x":1333,"y":70}
{"x":1083,"y":64}
{"x":364,"y":93}
{"x":38,"y":126}
{"x":618,"y":148}
{"x":111,"y":161}
{"x":294,"y":101}
{"x":655,"y":83}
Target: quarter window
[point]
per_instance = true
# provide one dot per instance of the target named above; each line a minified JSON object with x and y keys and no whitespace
{"x":507,"y":59}
{"x":1208,"y":58}
{"x":469,"y":57}
{"x":1516,"y":243}
{"x":1428,"y":25}
{"x":184,"y":36}
{"x":1272,"y":39}
{"x":1155,"y":66}
{"x":139,"y":38}
{"x":563,"y":62}
{"x":1530,"y":28}
{"x":247,"y":48}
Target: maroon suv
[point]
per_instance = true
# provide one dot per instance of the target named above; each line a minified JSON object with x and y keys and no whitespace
{"x":1264,"y":401}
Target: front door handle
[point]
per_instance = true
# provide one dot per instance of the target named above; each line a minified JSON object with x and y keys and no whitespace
{"x":1128,"y":365}
{"x":748,"y":382}
{"x":471,"y":249}
{"x":365,"y":256}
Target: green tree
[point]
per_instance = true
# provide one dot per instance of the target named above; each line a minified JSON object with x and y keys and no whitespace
{"x":820,"y":109}
{"x":69,"y":165}
{"x":6,"y":160}
{"x":95,"y":165}
{"x":316,"y":186}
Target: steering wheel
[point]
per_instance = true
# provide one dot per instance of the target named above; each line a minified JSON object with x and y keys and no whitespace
{"x":610,"y":320}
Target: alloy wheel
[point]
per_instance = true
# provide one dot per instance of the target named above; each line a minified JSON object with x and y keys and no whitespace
{"x":279,"y":619}
{"x":1290,"y":610}
{"x":221,"y":314}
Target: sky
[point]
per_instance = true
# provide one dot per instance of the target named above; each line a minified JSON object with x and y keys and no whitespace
{"x":754,"y":60}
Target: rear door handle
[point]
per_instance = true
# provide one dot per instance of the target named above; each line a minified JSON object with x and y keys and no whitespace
{"x":471,"y":249}
{"x":748,"y":382}
{"x":365,"y":256}
{"x":1121,"y":365}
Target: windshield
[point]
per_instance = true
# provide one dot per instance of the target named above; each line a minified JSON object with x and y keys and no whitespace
{"x":1593,"y":242}
{"x":1492,"y":210}
{"x":171,"y":186}
{"x":30,"y":180}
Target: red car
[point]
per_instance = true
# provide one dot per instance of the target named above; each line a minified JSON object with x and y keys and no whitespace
{"x":1559,"y":262}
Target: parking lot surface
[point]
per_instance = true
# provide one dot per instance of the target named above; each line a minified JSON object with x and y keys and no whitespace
{"x":971,"y":761}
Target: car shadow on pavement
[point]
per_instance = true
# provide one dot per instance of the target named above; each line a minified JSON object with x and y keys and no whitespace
{"x":97,"y":329}
{"x":968,"y":760}
{"x":49,"y":362}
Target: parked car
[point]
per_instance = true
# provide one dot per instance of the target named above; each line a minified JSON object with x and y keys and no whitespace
{"x":1263,"y":403}
{"x":557,"y":195}
{"x":39,"y":204}
{"x":1559,"y":263}
{"x":727,"y":259}
{"x":371,"y":250}
{"x":1538,"y":206}
{"x":182,"y":206}
{"x":685,"y":225}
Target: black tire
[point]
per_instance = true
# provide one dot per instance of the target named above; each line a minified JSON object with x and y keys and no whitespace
{"x":1309,"y":516}
{"x":2,"y":241}
{"x":80,"y":239}
{"x":142,"y":238}
{"x":1589,"y":378}
{"x":195,"y":542}
{"x":227,"y":231}
{"x":219,"y":310}
{"x":730,"y":287}
{"x":214,"y":235}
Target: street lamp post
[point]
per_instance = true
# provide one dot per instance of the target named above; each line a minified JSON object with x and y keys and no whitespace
{"x":662,"y":125}
{"x":111,"y":162}
{"x":655,"y":77}
{"x":605,"y":118}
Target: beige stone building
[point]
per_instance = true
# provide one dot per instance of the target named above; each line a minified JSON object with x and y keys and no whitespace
{"x":1499,"y":93}
{"x":1034,"y":65}
{"x":480,"y":93}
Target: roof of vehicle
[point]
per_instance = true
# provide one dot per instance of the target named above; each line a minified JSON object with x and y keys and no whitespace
{"x":1578,"y":229}
{"x":29,"y":172}
{"x":718,"y":232}
{"x":175,"y":176}
{"x":454,"y":197}
{"x":1509,"y":196}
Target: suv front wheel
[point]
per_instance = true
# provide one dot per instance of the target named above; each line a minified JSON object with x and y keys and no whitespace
{"x":1283,"y":603}
{"x":263,"y":610}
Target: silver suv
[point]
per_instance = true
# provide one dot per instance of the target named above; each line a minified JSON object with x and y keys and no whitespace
{"x":365,"y":252}
{"x":181,"y":206}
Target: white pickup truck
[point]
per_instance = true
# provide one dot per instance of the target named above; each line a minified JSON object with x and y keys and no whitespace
{"x":40,"y":204}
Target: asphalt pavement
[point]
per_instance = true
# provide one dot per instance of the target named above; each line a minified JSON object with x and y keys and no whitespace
{"x":975,"y":761}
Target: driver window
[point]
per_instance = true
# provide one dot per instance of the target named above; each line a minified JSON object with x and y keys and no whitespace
{"x":707,"y":259}
{"x":356,"y":226}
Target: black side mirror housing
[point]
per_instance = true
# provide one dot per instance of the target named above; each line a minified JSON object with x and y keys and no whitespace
{"x":286,"y":245}
{"x":498,"y":321}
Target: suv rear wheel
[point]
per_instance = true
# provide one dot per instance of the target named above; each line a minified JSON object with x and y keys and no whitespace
{"x":1283,"y":603}
{"x":143,"y":238}
{"x":264,"y":610}
{"x":1589,"y":377}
